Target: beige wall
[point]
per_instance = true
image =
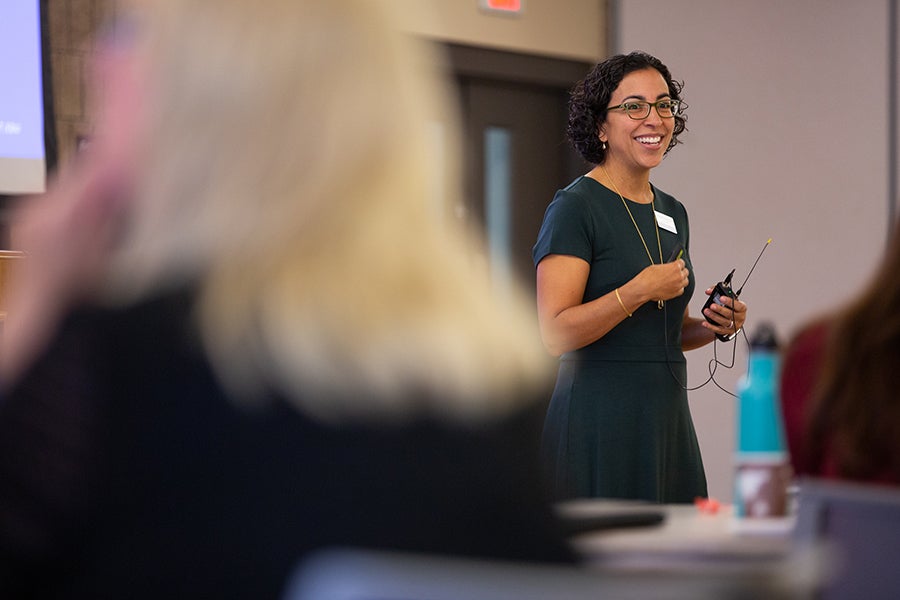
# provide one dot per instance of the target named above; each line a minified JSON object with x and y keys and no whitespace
{"x":573,"y":29}
{"x":787,"y":139}
{"x":564,"y":28}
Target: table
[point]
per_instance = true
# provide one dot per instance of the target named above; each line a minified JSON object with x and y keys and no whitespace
{"x":685,"y":538}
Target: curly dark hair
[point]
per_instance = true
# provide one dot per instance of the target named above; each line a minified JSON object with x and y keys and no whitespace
{"x":590,"y":97}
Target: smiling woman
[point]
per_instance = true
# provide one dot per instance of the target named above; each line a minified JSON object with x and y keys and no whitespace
{"x":612,"y":307}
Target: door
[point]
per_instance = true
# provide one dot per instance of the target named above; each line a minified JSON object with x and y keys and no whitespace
{"x":514,"y":111}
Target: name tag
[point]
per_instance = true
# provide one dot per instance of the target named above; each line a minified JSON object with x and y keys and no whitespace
{"x":665,"y":221}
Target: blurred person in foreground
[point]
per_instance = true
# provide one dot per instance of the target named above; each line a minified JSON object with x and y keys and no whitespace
{"x":240,"y":334}
{"x":839,"y":384}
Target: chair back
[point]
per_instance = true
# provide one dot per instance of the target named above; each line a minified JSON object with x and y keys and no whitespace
{"x":376,"y":575}
{"x":858,"y":527}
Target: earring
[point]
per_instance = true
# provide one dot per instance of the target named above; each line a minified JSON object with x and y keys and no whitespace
{"x":602,"y":145}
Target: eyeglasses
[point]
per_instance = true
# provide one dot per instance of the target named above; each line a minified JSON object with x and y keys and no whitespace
{"x":665,"y":108}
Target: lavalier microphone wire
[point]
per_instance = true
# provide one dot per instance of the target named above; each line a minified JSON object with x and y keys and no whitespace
{"x":713,"y":364}
{"x":720,"y":290}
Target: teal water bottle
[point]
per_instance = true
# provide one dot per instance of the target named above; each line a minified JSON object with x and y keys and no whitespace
{"x":762,"y":466}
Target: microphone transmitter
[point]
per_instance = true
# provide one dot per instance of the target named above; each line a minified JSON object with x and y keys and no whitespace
{"x":723,"y":289}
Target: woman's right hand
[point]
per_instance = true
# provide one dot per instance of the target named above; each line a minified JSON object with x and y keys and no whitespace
{"x":663,"y":282}
{"x":568,"y":323}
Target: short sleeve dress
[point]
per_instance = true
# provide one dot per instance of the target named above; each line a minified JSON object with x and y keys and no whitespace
{"x":618,"y":424}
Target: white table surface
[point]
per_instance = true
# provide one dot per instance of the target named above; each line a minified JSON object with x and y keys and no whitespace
{"x":687,"y":537}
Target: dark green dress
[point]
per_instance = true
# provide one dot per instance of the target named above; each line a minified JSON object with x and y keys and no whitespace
{"x":618,"y":424}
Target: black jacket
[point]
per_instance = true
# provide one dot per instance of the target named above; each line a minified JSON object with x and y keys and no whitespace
{"x":126,"y":472}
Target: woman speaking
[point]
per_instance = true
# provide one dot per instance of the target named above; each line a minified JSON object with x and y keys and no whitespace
{"x":614,"y":279}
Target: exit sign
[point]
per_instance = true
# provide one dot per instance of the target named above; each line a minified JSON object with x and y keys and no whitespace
{"x":510,"y":7}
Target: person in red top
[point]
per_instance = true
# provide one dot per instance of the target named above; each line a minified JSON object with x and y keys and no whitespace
{"x":839,"y":384}
{"x":800,"y":371}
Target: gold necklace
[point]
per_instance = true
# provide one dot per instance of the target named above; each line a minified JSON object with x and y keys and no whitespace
{"x":659,"y":303}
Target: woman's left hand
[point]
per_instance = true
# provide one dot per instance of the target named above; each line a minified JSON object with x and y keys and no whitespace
{"x":729,"y":317}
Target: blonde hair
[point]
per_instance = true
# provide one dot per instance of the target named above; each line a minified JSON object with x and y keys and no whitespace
{"x":287,"y":168}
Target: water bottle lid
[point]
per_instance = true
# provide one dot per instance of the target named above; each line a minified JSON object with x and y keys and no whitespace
{"x":764,"y":337}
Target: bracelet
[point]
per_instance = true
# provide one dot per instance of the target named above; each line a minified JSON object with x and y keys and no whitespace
{"x":622,"y":304}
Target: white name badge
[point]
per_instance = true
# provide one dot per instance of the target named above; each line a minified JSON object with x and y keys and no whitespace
{"x":665,"y":221}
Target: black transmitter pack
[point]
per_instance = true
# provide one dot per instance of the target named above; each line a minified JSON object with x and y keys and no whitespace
{"x":721,"y":290}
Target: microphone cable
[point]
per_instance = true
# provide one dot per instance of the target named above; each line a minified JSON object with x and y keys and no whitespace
{"x":714,"y":362}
